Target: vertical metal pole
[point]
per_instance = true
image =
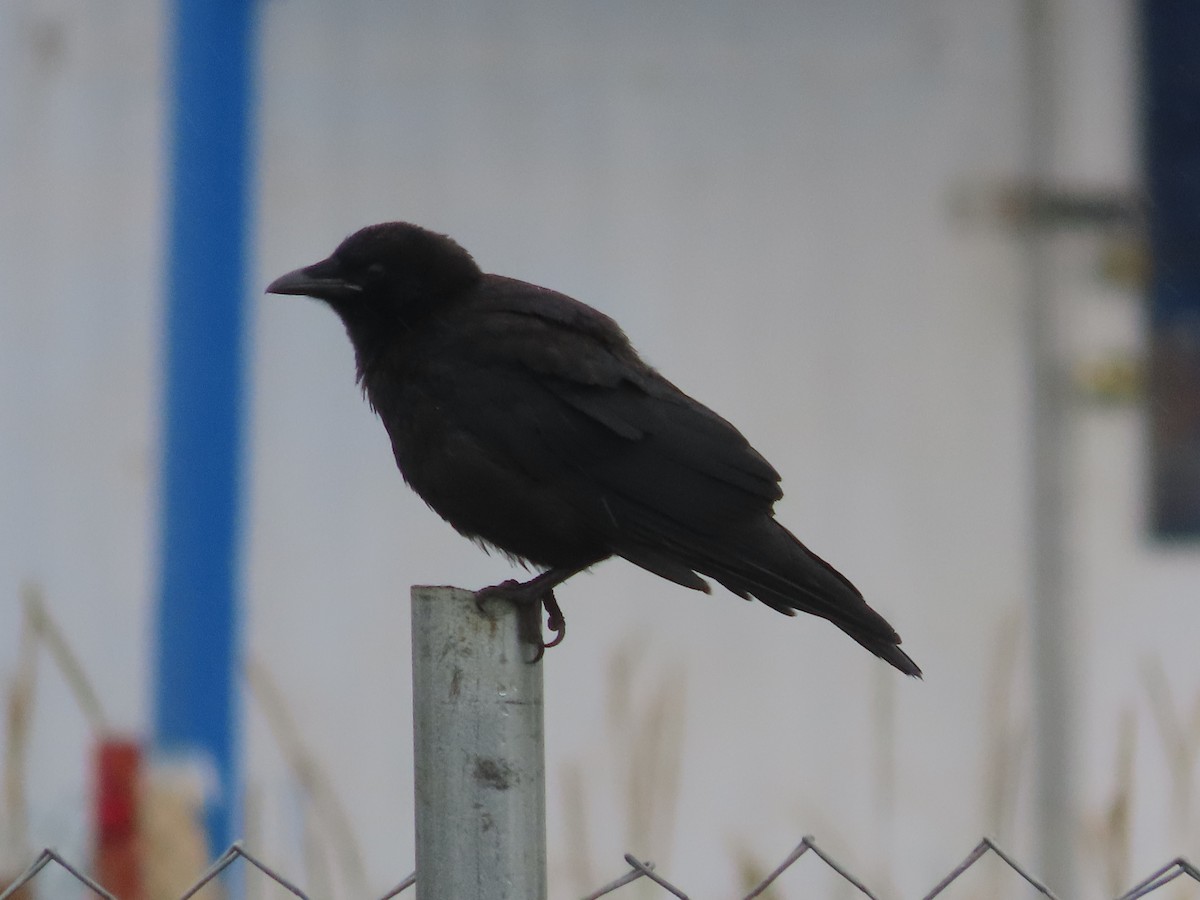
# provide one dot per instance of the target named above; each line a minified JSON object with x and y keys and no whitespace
{"x":1053,"y":639}
{"x":195,"y":697}
{"x":478,"y":748}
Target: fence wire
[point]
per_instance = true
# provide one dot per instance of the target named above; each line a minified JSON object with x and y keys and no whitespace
{"x":638,"y":869}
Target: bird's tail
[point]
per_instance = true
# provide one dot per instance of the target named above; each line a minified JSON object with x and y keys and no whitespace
{"x":767,"y":562}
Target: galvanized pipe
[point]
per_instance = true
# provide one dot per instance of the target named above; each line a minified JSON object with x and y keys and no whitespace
{"x":478,"y":748}
{"x":1054,"y":636}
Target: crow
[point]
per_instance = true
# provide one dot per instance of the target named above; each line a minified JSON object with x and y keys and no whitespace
{"x":526,"y":420}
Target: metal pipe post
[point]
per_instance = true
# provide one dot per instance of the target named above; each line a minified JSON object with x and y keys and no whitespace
{"x":478,"y":751}
{"x":1053,"y":635}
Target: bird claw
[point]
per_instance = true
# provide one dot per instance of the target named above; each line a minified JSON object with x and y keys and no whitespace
{"x":496,"y":592}
{"x":529,"y":597}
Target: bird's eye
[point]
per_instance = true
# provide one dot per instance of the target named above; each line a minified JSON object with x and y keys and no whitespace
{"x":376,"y":270}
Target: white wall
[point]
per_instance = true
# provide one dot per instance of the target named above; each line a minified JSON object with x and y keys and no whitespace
{"x":80,"y":176}
{"x":765,"y":201}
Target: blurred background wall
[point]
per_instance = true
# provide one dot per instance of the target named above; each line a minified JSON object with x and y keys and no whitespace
{"x":795,"y":211}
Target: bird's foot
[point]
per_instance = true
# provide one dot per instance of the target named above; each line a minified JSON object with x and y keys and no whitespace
{"x":529,"y":597}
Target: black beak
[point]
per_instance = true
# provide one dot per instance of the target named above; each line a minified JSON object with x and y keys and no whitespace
{"x":322,"y":280}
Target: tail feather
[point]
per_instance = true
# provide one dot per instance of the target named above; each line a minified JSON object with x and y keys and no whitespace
{"x":766,"y":561}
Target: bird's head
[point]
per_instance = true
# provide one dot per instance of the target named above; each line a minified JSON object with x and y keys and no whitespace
{"x":384,"y":277}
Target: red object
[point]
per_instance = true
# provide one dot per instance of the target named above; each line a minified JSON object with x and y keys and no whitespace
{"x":117,"y":861}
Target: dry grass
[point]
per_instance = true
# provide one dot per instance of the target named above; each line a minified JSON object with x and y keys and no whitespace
{"x":1111,"y":837}
{"x":38,"y":630}
{"x":52,"y":638}
{"x":1007,"y":735}
{"x":645,"y":728}
{"x":1179,"y":734}
{"x":327,"y":833}
{"x":14,"y":823}
{"x":1180,"y":737}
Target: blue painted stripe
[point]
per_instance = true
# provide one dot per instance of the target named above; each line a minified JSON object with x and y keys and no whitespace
{"x":196,"y":706}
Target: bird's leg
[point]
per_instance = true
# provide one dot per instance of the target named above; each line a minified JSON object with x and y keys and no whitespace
{"x":555,"y":620}
{"x":529,"y":596}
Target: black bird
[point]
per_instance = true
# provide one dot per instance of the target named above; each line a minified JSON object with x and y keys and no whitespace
{"x":527,"y":421}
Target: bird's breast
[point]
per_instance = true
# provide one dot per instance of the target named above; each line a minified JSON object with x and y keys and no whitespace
{"x":469,"y":478}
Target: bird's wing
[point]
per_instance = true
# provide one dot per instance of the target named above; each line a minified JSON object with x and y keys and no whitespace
{"x":589,"y":411}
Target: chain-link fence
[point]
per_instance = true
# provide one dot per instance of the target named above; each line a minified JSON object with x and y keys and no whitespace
{"x":637,"y":870}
